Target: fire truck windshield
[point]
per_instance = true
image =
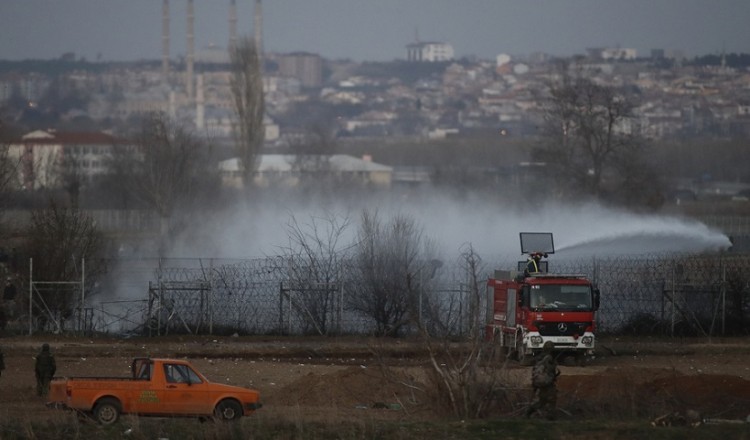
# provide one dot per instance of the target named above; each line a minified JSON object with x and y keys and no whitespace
{"x":560,"y":297}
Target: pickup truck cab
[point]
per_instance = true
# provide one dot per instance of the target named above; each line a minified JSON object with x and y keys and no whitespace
{"x":157,"y":387}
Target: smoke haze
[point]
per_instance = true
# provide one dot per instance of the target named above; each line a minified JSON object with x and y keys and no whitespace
{"x":260,"y":230}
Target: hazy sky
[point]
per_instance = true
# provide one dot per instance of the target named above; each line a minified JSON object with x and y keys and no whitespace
{"x":375,"y":30}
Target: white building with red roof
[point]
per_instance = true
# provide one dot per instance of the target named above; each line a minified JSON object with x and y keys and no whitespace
{"x":44,"y":158}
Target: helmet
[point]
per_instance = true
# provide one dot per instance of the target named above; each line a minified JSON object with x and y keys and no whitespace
{"x":45,"y":347}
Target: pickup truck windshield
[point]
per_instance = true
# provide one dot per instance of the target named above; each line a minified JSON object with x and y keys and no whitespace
{"x":560,"y":297}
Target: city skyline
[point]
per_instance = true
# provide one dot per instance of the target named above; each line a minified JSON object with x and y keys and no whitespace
{"x":124,"y":30}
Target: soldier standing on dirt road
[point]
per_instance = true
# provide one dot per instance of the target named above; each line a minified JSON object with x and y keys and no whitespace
{"x":44,"y":369}
{"x":2,"y":361}
{"x":543,"y":380}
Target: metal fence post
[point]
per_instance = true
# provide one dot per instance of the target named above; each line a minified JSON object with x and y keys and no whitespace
{"x":281,"y":307}
{"x":211,"y":296}
{"x":723,"y":296}
{"x":31,"y":295}
{"x":160,"y":299}
{"x":673,"y":301}
{"x":340,"y":308}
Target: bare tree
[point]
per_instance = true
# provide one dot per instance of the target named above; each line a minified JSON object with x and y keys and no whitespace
{"x":588,"y":128}
{"x":167,"y":167}
{"x":9,"y":181}
{"x":72,"y":178}
{"x":639,"y":183}
{"x":247,"y":91}
{"x":466,"y":376}
{"x":311,"y":161}
{"x":474,"y":268}
{"x":59,"y":239}
{"x":314,"y":255}
{"x":388,"y":264}
{"x":8,"y":163}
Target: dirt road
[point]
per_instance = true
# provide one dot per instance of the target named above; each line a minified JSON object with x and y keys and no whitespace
{"x":344,"y":377}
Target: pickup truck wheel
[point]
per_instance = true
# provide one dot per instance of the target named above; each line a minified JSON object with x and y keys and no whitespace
{"x":107,"y":411}
{"x":228,"y":410}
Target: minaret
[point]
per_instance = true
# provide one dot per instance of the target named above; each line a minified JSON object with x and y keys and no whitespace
{"x":200,"y":109}
{"x":165,"y":40}
{"x":190,"y":50}
{"x":232,"y":24}
{"x":258,"y":27}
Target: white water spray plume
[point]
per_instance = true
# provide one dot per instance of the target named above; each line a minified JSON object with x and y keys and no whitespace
{"x":587,"y":229}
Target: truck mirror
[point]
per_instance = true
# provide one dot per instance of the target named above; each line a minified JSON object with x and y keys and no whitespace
{"x":597,"y":294}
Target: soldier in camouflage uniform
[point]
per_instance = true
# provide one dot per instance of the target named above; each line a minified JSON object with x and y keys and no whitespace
{"x":543,"y":378}
{"x":2,"y":361}
{"x":44,"y":369}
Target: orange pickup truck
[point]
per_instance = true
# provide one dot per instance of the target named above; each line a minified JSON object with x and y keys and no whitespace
{"x":157,"y":387}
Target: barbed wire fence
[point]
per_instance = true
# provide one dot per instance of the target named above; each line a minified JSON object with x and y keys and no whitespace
{"x":673,"y":295}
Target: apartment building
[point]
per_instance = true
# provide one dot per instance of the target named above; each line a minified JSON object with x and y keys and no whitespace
{"x":429,"y":51}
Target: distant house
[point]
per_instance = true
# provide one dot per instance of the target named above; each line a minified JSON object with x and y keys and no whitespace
{"x":45,"y":158}
{"x":289,"y":170}
{"x":429,"y":51}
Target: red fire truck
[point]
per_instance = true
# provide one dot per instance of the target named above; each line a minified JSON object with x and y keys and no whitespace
{"x":530,"y":306}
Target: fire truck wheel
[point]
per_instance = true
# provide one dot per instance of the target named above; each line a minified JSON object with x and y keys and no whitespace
{"x":107,"y":411}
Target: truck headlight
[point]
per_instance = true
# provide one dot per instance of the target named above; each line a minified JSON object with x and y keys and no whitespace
{"x":587,"y":340}
{"x":536,"y":340}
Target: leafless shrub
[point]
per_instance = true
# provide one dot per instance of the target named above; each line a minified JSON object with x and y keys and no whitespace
{"x":388,"y":260}
{"x":314,"y":257}
{"x":58,"y":241}
{"x":466,"y":376}
{"x":465,"y":379}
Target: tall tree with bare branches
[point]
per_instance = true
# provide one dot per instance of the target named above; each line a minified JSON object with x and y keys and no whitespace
{"x":249,"y":106}
{"x":589,"y":132}
{"x":166,"y":167}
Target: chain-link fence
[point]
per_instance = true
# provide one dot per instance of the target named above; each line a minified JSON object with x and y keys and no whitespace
{"x":680,"y":295}
{"x":671,"y":295}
